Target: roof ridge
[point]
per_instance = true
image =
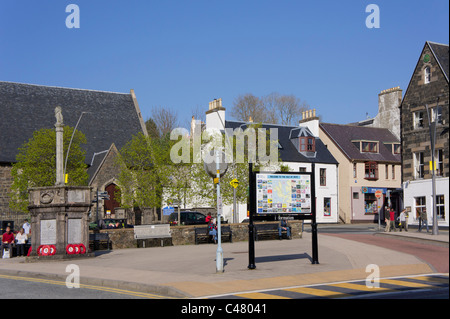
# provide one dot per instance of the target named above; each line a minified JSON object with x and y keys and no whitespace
{"x":438,"y":43}
{"x":437,"y":58}
{"x":61,"y":87}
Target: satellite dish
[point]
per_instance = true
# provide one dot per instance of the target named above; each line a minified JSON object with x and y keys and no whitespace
{"x":209,"y":164}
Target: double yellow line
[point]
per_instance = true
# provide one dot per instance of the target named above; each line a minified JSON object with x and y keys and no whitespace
{"x":92,"y":287}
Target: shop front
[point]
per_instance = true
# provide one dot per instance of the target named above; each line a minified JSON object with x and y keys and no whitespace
{"x":369,"y":203}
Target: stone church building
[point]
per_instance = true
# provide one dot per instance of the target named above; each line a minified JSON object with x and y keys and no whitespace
{"x":109,"y":121}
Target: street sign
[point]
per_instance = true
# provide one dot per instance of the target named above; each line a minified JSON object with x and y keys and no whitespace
{"x":102,"y":196}
{"x":234,"y":183}
{"x":168,"y":210}
{"x":379,"y":194}
{"x":211,"y":167}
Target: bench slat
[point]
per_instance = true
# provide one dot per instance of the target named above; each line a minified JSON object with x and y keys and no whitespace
{"x":152,"y":231}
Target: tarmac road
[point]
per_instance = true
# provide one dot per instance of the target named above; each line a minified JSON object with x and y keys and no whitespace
{"x":189,"y":271}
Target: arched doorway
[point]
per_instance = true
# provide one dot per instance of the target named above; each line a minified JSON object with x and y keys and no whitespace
{"x":114,"y":198}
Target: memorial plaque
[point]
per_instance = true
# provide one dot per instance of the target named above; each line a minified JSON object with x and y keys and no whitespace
{"x":74,"y":231}
{"x":76,"y":196}
{"x":48,"y":232}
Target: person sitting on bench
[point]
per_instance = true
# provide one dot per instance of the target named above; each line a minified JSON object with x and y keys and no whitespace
{"x":212,"y":229}
{"x":21,"y":239}
{"x":284,"y":226}
{"x":7,"y":241}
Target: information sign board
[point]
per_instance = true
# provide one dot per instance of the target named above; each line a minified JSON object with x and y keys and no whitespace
{"x":283,"y":194}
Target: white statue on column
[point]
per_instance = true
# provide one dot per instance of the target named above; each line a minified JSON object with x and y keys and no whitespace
{"x":58,"y":115}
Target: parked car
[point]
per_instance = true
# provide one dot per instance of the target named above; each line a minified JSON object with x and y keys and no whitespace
{"x":110,"y":223}
{"x":188,"y":218}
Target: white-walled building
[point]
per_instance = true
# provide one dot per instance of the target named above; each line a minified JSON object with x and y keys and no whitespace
{"x":299,"y":148}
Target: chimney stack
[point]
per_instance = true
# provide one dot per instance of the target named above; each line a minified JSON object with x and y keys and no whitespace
{"x":311,"y":121}
{"x":215,"y":116}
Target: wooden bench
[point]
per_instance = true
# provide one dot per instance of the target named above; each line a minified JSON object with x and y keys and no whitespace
{"x":160,"y":231}
{"x":269,"y":230}
{"x":99,"y":238}
{"x":202,"y":233}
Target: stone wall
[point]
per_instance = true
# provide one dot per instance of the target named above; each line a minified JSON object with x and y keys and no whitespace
{"x":182,"y":235}
{"x":5,"y":186}
{"x":418,"y":95}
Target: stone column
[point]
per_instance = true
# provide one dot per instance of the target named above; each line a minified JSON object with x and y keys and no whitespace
{"x":59,"y":155}
{"x":59,"y":147}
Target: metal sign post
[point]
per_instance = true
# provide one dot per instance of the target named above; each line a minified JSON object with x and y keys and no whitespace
{"x":216,"y":168}
{"x":219,"y":253}
{"x":252,"y":209}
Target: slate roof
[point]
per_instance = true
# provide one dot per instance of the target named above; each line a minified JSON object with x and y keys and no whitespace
{"x":25,"y":108}
{"x":441,"y":54}
{"x":288,"y":151}
{"x":343,"y":135}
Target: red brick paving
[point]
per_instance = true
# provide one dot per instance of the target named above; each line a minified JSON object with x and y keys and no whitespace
{"x":435,"y":256}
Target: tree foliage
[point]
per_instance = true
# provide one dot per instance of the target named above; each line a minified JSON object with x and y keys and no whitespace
{"x":36,"y":164}
{"x":274,"y":108}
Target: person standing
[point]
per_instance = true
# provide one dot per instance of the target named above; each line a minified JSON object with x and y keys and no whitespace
{"x":208,"y":218}
{"x":423,"y":219}
{"x":403,"y":220}
{"x":27,"y":228}
{"x":392,"y":220}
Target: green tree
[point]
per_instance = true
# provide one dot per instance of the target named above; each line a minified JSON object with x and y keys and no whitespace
{"x":36,"y":164}
{"x":141,"y":176}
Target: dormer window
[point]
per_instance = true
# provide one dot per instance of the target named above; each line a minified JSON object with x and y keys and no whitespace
{"x":369,"y":147}
{"x":397,"y":149}
{"x":307,"y":144}
{"x":394,"y":148}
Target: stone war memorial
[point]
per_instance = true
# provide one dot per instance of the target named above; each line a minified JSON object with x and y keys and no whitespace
{"x":60,"y":213}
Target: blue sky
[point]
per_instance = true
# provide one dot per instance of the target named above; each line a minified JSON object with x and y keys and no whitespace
{"x":184,"y":53}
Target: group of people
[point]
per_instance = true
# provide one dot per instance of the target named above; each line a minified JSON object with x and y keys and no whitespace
{"x":421,"y":215}
{"x":20,"y":239}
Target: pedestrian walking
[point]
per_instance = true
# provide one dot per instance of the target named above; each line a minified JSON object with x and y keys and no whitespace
{"x":423,"y":219}
{"x":386,"y":219}
{"x":403,"y":220}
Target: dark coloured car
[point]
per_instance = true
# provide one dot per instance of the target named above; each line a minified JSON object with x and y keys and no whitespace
{"x":110,"y":223}
{"x":188,"y":218}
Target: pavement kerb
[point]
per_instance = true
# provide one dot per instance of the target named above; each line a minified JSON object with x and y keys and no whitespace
{"x":205,"y":290}
{"x":196,"y":287}
{"x":193,"y":289}
{"x":163,"y":290}
{"x":422,"y":239}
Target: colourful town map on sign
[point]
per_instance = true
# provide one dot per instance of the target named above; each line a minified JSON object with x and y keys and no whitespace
{"x":283,"y":193}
